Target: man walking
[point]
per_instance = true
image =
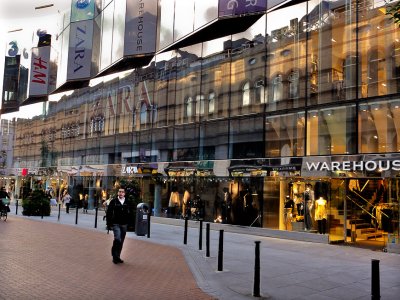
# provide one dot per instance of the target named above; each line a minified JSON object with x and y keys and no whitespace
{"x":118,"y":213}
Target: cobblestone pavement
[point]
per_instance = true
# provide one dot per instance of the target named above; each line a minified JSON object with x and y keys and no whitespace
{"x":42,"y":260}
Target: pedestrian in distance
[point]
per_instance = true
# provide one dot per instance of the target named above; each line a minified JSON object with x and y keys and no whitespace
{"x":67,"y":200}
{"x":117,"y":217}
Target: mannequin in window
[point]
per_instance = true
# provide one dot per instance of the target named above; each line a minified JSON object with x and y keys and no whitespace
{"x":321,"y":214}
{"x":228,"y":205}
{"x":298,"y":200}
{"x":186,"y":203}
{"x":248,"y":207}
{"x":308,"y":206}
{"x":288,"y":212}
{"x":174,"y":203}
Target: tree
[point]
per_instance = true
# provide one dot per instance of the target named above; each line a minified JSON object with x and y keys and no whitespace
{"x":393,"y":10}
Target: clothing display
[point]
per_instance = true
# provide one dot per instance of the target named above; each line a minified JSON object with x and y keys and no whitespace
{"x":185,"y":203}
{"x":308,"y":206}
{"x":321,"y":214}
{"x":320,"y":209}
{"x":287,"y":218}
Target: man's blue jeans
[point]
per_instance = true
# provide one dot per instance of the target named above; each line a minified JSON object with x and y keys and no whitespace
{"x":119,"y":237}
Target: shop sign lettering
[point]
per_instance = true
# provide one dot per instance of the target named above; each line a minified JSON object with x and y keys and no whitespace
{"x":370,"y":165}
{"x":129,"y":170}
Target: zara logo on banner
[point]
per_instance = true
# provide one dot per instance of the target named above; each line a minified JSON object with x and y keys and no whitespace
{"x":80,"y":38}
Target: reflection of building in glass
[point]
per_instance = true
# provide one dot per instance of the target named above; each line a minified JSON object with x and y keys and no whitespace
{"x":244,"y":114}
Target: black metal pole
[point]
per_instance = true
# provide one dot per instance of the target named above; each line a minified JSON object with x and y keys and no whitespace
{"x":185,"y":232}
{"x":201,"y":235}
{"x":375,"y":281}
{"x":208,"y":240}
{"x":148,"y":223}
{"x":16,"y":208}
{"x":41,"y":210}
{"x":95,"y":218}
{"x":220,"y":249}
{"x":59,"y":212}
{"x":256,"y":287}
{"x":76,"y":214}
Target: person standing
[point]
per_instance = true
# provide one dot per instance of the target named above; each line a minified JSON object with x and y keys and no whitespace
{"x":67,"y":200}
{"x":117,"y":217}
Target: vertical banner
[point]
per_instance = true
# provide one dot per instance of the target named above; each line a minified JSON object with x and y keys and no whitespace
{"x":9,"y":99}
{"x":39,"y":75}
{"x":80,"y":50}
{"x":82,"y":10}
{"x":15,"y":76}
{"x":140,"y":27}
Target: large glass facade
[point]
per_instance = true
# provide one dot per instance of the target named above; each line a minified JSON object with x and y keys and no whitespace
{"x":234,"y":119}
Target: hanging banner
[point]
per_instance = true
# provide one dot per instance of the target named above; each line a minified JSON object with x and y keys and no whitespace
{"x":80,"y":50}
{"x":240,"y":7}
{"x":140,"y":27}
{"x":39,"y":73}
{"x":82,"y":10}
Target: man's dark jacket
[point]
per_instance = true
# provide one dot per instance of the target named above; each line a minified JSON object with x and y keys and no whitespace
{"x":118,"y":213}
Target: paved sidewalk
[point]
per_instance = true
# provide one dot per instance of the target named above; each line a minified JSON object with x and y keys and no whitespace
{"x":289,"y":269}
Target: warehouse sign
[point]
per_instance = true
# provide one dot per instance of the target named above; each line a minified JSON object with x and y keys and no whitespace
{"x":369,"y":165}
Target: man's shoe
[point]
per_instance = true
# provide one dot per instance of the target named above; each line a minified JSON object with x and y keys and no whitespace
{"x":115,"y":260}
{"x":120,"y":260}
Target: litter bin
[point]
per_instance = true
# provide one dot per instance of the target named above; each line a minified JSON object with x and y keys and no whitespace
{"x":142,"y":210}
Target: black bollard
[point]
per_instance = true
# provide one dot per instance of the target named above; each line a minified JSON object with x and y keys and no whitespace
{"x":185,"y":232}
{"x":148,"y":224}
{"x":76,"y":214}
{"x":41,"y":210}
{"x":375,"y":281}
{"x":95,"y":218}
{"x":256,"y":286}
{"x":16,"y":208}
{"x":59,"y":212}
{"x":220,"y":249}
{"x":208,"y":240}
{"x":201,"y":235}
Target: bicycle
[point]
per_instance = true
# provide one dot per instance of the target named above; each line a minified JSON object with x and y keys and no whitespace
{"x":4,"y":209}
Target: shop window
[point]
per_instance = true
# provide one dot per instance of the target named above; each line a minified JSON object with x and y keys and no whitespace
{"x":260,"y":91}
{"x":189,"y":107}
{"x":331,"y":131}
{"x":294,"y":84}
{"x":211,"y":103}
{"x":200,"y":105}
{"x":143,"y":114}
{"x":396,"y":67}
{"x":284,"y":135}
{"x":379,"y":126}
{"x":376,"y":73}
{"x":277,"y":87}
{"x":350,"y":76}
{"x":96,"y":125}
{"x":246,"y":94}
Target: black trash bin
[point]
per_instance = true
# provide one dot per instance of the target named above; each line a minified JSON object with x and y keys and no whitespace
{"x":142,"y":211}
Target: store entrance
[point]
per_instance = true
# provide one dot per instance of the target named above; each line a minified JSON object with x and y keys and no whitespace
{"x":371,"y":211}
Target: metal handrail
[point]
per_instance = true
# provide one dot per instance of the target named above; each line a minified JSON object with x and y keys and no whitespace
{"x":369,"y":203}
{"x":362,"y":208}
